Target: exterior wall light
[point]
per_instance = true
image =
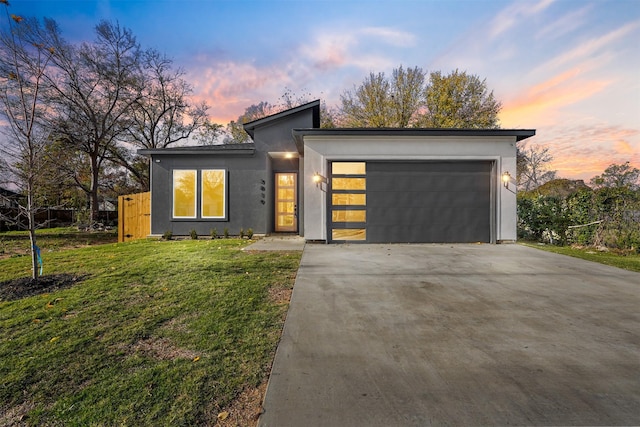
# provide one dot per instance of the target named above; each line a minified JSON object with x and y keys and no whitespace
{"x":319,"y":179}
{"x":506,"y":178}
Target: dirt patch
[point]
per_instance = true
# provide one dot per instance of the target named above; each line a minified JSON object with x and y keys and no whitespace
{"x":14,"y":416}
{"x":280,"y":295}
{"x":244,"y":410}
{"x":14,"y":289}
{"x":162,"y":349}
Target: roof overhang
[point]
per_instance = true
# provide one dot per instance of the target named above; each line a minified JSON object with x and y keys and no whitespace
{"x":220,"y":150}
{"x":313,"y":105}
{"x":299,"y":134}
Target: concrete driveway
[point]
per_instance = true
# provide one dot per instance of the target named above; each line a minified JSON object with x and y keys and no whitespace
{"x":402,"y":335}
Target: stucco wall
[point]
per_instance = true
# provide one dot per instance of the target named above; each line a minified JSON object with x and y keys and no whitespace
{"x":250,"y":191}
{"x":320,"y":150}
{"x":244,"y":195}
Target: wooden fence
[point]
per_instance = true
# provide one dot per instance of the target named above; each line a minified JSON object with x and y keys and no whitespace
{"x":134,"y":216}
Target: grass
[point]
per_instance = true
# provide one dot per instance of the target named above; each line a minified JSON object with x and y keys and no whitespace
{"x":626,"y":261}
{"x":16,"y":243}
{"x":160,"y":333}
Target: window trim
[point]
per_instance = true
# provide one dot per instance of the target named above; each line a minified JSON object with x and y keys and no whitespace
{"x":224,"y":195}
{"x":173,"y":194}
{"x":198,"y":205}
{"x":359,"y":229}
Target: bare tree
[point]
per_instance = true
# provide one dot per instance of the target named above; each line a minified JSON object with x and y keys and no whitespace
{"x":162,"y":115}
{"x":533,"y":166}
{"x":94,"y":91}
{"x":235,"y":131}
{"x":23,"y":65}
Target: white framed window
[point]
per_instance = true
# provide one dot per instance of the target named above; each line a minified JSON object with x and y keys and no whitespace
{"x":184,"y":193}
{"x":213,"y":193}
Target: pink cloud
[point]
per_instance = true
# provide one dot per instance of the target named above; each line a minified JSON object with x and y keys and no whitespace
{"x":540,"y":103}
{"x":230,"y":87}
{"x":581,"y":151}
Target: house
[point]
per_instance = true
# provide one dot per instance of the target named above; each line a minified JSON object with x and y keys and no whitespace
{"x":9,"y":199}
{"x":342,"y":185}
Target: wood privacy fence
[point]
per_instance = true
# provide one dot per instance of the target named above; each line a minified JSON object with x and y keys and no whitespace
{"x":134,"y":216}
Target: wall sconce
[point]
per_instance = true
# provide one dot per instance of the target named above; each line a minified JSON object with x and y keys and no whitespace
{"x":319,"y":179}
{"x":506,"y":178}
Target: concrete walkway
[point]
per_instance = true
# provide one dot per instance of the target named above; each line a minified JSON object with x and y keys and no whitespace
{"x":417,"y":335}
{"x":277,"y":243}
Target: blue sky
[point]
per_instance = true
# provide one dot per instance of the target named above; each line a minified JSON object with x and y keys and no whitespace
{"x":568,"y":68}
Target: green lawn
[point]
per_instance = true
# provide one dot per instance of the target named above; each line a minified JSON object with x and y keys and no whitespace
{"x":16,"y":243}
{"x":627,"y":261}
{"x":159,"y":333}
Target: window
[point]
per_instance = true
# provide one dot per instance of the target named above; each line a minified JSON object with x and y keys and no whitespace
{"x":213,"y":193}
{"x":348,"y":187}
{"x":212,"y":201}
{"x":184,"y":193}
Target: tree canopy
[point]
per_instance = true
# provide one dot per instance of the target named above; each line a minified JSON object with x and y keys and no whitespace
{"x":103,"y":100}
{"x":408,"y":99}
{"x":459,"y":100}
{"x":618,"y":175}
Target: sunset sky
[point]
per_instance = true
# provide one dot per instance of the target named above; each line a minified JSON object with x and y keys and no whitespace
{"x":569,"y":69}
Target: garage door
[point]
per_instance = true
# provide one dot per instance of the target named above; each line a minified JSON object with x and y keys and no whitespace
{"x":420,"y":202}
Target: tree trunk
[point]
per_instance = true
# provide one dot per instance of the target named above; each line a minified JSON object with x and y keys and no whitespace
{"x":93,"y":194}
{"x":35,"y":272}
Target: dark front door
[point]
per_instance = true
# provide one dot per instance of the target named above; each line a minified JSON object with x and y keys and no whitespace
{"x":286,"y":202}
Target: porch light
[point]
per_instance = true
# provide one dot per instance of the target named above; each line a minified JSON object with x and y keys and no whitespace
{"x":319,"y":179}
{"x":506,"y":178}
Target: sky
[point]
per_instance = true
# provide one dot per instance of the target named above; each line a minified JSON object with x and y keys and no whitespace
{"x":569,"y":69}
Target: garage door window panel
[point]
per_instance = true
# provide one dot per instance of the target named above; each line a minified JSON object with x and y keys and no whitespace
{"x":348,"y":201}
{"x":348,"y":183}
{"x":350,"y":234}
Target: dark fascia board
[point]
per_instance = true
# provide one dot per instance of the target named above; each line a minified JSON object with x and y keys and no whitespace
{"x":315,"y":105}
{"x":223,"y":150}
{"x":299,"y":134}
{"x":9,"y":194}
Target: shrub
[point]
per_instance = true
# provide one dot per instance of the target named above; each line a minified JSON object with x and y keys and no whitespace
{"x":226,"y":232}
{"x":214,"y":233}
{"x":168,"y":235}
{"x":250,"y":233}
{"x":241,"y":233}
{"x":609,"y":216}
{"x":194,"y":234}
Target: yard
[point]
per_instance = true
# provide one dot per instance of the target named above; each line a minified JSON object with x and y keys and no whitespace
{"x":622,"y":259}
{"x":148,"y":333}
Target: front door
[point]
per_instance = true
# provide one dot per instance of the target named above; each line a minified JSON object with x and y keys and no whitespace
{"x":286,"y":202}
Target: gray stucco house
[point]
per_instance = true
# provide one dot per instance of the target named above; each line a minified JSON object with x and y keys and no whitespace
{"x":342,"y":185}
